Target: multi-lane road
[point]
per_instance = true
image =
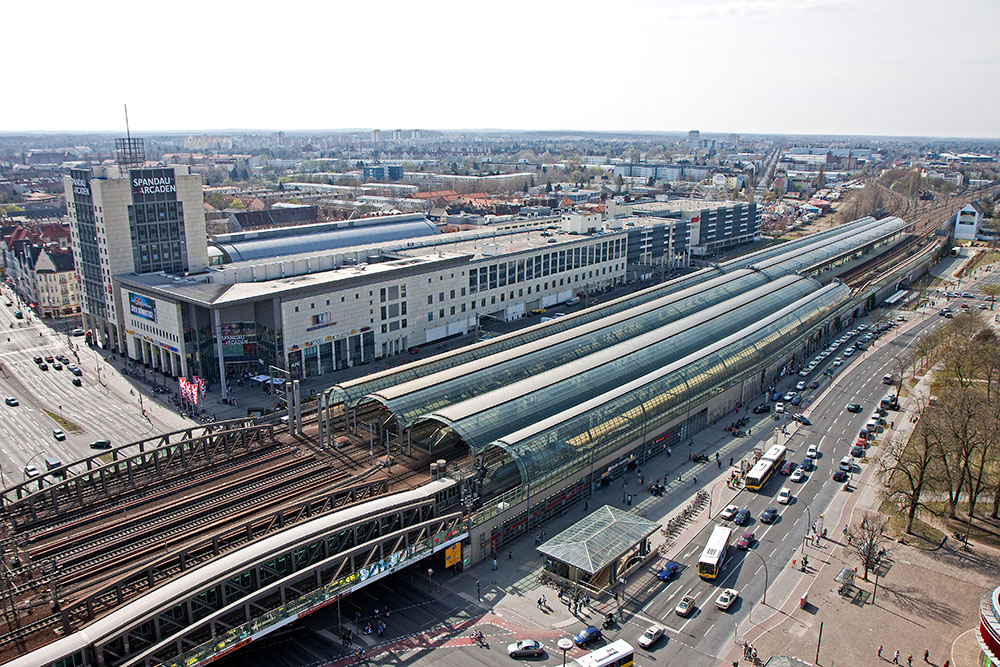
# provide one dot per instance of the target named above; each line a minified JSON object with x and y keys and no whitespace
{"x":102,"y":409}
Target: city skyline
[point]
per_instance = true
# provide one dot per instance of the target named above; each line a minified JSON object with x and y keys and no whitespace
{"x":817,"y":67}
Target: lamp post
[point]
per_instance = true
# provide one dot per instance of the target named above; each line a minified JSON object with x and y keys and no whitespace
{"x":763,"y":599}
{"x":564,"y":645}
{"x":808,"y":524}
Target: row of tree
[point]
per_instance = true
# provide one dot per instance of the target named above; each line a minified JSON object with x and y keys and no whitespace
{"x":953,"y":454}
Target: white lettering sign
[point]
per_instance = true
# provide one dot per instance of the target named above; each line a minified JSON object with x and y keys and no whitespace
{"x":149,"y":186}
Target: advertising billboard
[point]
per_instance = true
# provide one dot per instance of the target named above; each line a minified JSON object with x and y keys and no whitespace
{"x":142,"y":306}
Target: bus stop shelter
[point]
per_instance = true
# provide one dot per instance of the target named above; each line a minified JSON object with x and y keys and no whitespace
{"x":600,"y":548}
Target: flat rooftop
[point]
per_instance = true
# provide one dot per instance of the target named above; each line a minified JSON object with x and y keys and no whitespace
{"x":683,"y":205}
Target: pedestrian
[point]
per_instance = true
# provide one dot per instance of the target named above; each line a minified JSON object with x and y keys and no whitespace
{"x":895,"y":658}
{"x":586,"y":506}
{"x":544,"y":601}
{"x":927,"y":654}
{"x":494,"y":562}
{"x":909,"y":660}
{"x":947,"y":663}
{"x":669,"y":451}
{"x":880,"y":650}
{"x":730,"y":461}
{"x":510,"y":555}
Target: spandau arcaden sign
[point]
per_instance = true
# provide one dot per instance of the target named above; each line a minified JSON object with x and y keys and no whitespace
{"x":154,"y":185}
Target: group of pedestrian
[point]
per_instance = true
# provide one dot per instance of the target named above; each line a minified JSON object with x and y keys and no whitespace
{"x":909,"y":658}
{"x":749,"y":652}
{"x":542,"y":602}
{"x":346,"y":637}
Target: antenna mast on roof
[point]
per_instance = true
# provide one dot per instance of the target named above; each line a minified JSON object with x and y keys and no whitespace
{"x":129,"y":153}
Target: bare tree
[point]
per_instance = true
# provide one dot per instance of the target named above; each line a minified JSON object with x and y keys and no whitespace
{"x":868,"y":540}
{"x":908,"y":470}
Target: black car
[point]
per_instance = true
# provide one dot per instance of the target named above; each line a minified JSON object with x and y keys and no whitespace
{"x":839,"y":475}
{"x":854,"y":407}
{"x":796,"y":399}
{"x":77,"y":382}
{"x":802,"y":419}
{"x":807,"y":464}
{"x":43,"y":366}
{"x":761,"y":409}
{"x":742,"y":517}
{"x":857,"y":451}
{"x":75,"y":370}
{"x":100,"y":444}
{"x":769,"y":515}
{"x":38,"y":360}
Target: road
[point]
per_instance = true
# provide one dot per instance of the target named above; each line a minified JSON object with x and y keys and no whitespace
{"x":100,"y":410}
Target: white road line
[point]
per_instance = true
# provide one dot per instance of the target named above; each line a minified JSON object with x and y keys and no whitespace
{"x":709,"y":629}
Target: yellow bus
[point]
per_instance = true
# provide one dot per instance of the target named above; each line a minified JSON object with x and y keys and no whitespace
{"x":765,"y":467}
{"x":714,"y":555}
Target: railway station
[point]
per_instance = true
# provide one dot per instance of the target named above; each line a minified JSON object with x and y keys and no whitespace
{"x":472,"y":447}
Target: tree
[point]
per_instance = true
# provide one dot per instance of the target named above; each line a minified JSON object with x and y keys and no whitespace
{"x":908,"y":470}
{"x":991,"y":290}
{"x":868,"y":540}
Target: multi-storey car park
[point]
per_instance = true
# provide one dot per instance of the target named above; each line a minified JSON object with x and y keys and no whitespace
{"x":521,"y":425}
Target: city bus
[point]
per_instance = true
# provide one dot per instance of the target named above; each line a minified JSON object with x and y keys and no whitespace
{"x":710,"y":563}
{"x":765,"y":467}
{"x":618,"y":653}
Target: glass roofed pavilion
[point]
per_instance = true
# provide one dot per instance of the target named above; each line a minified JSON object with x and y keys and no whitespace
{"x":599,"y":548}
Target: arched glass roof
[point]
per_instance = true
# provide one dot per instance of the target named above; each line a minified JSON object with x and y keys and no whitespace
{"x":547,"y":449}
{"x":783,"y":248}
{"x":490,"y":415}
{"x":277,"y":245}
{"x":409,"y":400}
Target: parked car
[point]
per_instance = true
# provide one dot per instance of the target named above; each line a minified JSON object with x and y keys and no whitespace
{"x":667,"y":572}
{"x":779,"y":408}
{"x":802,"y":419}
{"x":77,"y":382}
{"x":761,"y":409}
{"x":685,"y":606}
{"x":796,"y":399}
{"x":77,"y":332}
{"x":525,"y":648}
{"x":726,"y":598}
{"x":650,"y":636}
{"x":11,"y":401}
{"x":839,"y":475}
{"x":857,"y":451}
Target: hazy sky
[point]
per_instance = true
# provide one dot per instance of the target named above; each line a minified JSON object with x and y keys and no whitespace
{"x":899,"y":67}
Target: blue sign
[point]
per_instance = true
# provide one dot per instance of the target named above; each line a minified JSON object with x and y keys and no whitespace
{"x":142,"y":306}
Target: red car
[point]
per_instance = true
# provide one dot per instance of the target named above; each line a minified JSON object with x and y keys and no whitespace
{"x":787,"y":468}
{"x":746,"y":541}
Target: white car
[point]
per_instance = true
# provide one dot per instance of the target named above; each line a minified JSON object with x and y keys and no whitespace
{"x":812,"y":451}
{"x":729,"y":512}
{"x":798,"y":475}
{"x":650,"y":636}
{"x":58,"y":434}
{"x":800,"y":385}
{"x":726,"y":598}
{"x":30,"y":471}
{"x":779,"y":408}
{"x":685,"y":606}
{"x":785,"y":496}
{"x":838,"y":362}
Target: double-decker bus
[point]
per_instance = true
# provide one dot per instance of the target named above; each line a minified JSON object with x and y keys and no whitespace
{"x":765,"y":467}
{"x":618,"y":653}
{"x":710,"y":563}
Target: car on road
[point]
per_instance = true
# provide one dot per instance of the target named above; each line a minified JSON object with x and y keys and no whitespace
{"x":58,"y":434}
{"x":854,"y":407}
{"x":62,"y":358}
{"x":726,"y":598}
{"x":814,"y":384}
{"x":800,"y":385}
{"x":806,"y":464}
{"x":839,"y":475}
{"x":789,"y":395}
{"x":77,"y":382}
{"x":761,"y":409}
{"x":101,"y":444}
{"x":525,"y":648}
{"x":650,"y":636}
{"x":587,"y":635}
{"x":849,"y":351}
{"x":779,"y":408}
{"x":56,"y":366}
{"x":8,"y":303}
{"x":802,"y":419}
{"x":812,"y":451}
{"x":798,"y":476}
{"x":776,"y":396}
{"x":75,"y":370}
{"x":787,"y":468}
{"x":49,"y":358}
{"x":746,"y":541}
{"x":729,"y":512}
{"x":11,"y":401}
{"x":37,"y":360}
{"x":685,"y":606}
{"x":667,"y":572}
{"x":796,"y":399}
{"x":838,"y":362}
{"x":769,"y":515}
{"x":742,"y":517}
{"x":30,"y":471}
{"x":77,"y":332}
{"x":785,"y":495}
{"x":857,"y":451}
{"x":43,"y":366}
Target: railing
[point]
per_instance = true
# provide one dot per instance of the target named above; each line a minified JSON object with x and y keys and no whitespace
{"x":241,"y":635}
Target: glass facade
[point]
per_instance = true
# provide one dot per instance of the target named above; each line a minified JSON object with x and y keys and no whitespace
{"x":156,"y":222}
{"x":91,"y":286}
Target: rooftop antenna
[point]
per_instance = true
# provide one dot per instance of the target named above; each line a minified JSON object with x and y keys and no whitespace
{"x":129,"y":153}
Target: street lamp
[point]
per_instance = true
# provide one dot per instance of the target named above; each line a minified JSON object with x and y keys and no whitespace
{"x":808,"y":523}
{"x":763,"y":599}
{"x":564,"y":645}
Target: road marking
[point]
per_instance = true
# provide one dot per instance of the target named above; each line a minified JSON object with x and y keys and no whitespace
{"x":709,"y":629}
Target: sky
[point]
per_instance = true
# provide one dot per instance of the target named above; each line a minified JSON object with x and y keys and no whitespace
{"x":873,"y":67}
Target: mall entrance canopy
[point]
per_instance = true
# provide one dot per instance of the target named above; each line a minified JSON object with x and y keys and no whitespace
{"x":599,"y":548}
